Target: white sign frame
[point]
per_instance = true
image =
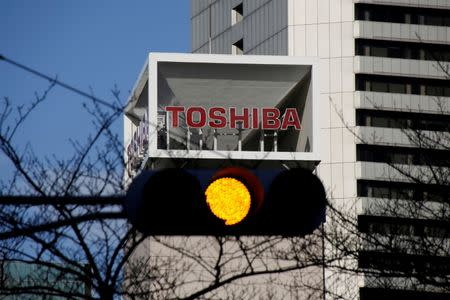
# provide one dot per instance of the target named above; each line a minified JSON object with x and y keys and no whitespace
{"x":152,"y":68}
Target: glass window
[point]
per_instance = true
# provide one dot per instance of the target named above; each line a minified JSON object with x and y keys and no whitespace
{"x":408,"y":18}
{"x":405,"y":15}
{"x":381,"y":192}
{"x":399,"y":158}
{"x":407,"y":53}
{"x":394,"y":52}
{"x":379,"y":87}
{"x":434,"y":90}
{"x":421,"y":19}
{"x":238,"y":48}
{"x":366,"y":15}
{"x":378,"y":227}
{"x":446,"y":91}
{"x":446,"y":21}
{"x":400,"y":229}
{"x":400,"y":123}
{"x":379,"y":51}
{"x":380,"y":122}
{"x":237,"y":14}
{"x":397,"y":88}
{"x":433,"y":20}
{"x":436,"y":231}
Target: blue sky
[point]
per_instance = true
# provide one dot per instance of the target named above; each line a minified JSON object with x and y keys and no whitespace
{"x":92,"y":45}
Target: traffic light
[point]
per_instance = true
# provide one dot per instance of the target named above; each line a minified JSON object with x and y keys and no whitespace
{"x":234,"y":201}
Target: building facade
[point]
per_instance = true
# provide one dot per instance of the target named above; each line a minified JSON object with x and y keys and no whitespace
{"x":385,"y":113}
{"x":251,"y":94}
{"x":38,"y":281}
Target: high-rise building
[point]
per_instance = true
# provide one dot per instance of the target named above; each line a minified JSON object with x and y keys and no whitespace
{"x":384,"y":108}
{"x":33,"y":281}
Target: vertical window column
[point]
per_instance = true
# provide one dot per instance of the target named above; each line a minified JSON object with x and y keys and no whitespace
{"x":238,"y":48}
{"x":237,"y":14}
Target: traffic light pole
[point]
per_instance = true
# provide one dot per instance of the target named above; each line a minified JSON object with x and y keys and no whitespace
{"x":102,"y":201}
{"x":63,"y":200}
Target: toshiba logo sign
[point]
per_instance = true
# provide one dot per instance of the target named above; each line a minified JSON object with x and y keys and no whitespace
{"x":248,"y":118}
{"x":223,"y":106}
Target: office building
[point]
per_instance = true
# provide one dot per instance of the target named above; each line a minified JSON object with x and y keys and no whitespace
{"x":383,"y":78}
{"x":39,"y":281}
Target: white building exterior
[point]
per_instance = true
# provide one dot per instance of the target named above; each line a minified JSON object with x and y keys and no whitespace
{"x":376,"y":72}
{"x":378,"y":78}
{"x":251,"y":84}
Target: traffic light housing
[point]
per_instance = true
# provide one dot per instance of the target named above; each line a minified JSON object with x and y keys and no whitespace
{"x":231,"y":201}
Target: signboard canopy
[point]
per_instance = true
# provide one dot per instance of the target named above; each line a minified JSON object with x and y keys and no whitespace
{"x":224,"y":107}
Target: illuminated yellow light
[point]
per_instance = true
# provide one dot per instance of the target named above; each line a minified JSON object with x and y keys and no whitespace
{"x":228,"y":199}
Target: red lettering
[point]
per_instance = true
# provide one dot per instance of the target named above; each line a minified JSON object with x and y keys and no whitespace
{"x":290,"y":119}
{"x":255,"y":118}
{"x":217,"y":120}
{"x":239,"y":118}
{"x":190,"y":117}
{"x":175,"y":110}
{"x":270,"y":118}
{"x":217,"y":117}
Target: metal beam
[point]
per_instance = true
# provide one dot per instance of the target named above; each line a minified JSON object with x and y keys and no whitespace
{"x":64,"y":200}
